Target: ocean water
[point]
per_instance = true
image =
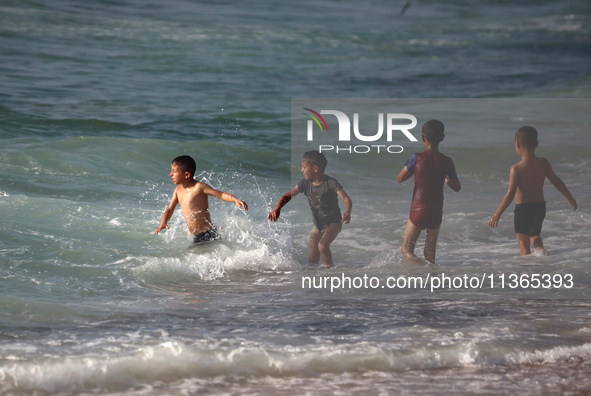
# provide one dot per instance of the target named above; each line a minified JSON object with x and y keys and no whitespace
{"x":97,"y":98}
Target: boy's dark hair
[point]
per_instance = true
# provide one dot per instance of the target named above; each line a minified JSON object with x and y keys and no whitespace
{"x":433,"y":131}
{"x":527,"y":136}
{"x":186,"y":163}
{"x":315,"y":158}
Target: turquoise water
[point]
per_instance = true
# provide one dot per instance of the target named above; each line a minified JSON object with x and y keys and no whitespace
{"x":98,"y":98}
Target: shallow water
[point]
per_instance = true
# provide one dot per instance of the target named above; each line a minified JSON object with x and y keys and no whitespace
{"x":98,"y":98}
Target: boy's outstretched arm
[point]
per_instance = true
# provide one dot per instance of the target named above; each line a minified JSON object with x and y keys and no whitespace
{"x":224,"y":196}
{"x":560,"y":186}
{"x":274,"y":215}
{"x":168,"y":213}
{"x":494,"y":220}
{"x":348,"y":204}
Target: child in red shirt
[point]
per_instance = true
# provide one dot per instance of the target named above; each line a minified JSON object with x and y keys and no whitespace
{"x":431,"y":170}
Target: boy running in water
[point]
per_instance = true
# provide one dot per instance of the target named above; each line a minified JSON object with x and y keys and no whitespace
{"x":526,"y":185}
{"x":431,"y":170}
{"x":193,"y":198}
{"x":322,"y":192}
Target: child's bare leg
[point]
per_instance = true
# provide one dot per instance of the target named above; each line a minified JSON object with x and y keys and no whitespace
{"x":538,"y":245}
{"x":324,"y":244}
{"x":411,"y":234}
{"x":431,"y":244}
{"x":314,"y":255}
{"x":523,"y":241}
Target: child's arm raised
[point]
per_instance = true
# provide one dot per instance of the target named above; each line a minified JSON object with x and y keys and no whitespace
{"x":559,"y":184}
{"x":274,"y":215}
{"x":168,"y":213}
{"x":494,"y":220}
{"x":348,"y":204}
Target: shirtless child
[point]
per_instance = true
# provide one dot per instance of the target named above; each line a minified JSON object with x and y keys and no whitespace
{"x":322,"y":192}
{"x":193,"y":198}
{"x":526,"y":185}
{"x":431,"y":170}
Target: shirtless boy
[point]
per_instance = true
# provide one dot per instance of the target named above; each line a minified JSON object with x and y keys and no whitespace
{"x":431,"y":170}
{"x":322,"y":191}
{"x":526,"y":185}
{"x":193,"y":198}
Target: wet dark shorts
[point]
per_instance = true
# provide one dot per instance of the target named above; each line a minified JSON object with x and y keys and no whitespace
{"x":206,"y":236}
{"x":529,"y":217}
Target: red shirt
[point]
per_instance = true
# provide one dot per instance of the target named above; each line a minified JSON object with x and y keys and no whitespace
{"x":430,"y":169}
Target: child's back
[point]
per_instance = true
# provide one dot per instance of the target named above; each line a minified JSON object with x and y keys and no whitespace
{"x":526,"y":185}
{"x":430,"y":169}
{"x":531,"y":174}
